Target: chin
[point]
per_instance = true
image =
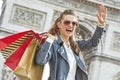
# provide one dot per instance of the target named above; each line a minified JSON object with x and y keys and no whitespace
{"x":69,"y":35}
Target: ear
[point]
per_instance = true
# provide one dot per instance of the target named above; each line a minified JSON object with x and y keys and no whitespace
{"x":58,"y":24}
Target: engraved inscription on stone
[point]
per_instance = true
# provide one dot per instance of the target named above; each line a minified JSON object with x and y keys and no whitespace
{"x":116,"y":41}
{"x":28,"y":17}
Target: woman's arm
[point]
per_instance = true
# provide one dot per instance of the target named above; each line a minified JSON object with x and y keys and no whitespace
{"x":93,"y":42}
{"x":44,"y":53}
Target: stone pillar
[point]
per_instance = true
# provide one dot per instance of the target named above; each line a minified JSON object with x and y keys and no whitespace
{"x":94,"y":70}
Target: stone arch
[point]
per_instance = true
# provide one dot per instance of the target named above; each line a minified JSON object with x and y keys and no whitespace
{"x":82,"y":32}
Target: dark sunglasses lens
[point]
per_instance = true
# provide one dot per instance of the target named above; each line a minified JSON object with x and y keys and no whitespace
{"x":74,"y":23}
{"x":66,"y":22}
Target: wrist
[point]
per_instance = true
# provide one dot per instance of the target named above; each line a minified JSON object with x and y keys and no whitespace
{"x":49,"y":39}
{"x":102,"y":25}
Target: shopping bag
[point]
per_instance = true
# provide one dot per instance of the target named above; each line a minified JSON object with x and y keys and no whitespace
{"x":21,"y":62}
{"x":27,"y":69}
{"x":11,"y":43}
{"x":6,"y":41}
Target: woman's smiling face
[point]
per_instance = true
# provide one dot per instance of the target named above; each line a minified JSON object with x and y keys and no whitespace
{"x":67,"y":25}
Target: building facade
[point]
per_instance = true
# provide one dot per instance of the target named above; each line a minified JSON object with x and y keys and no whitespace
{"x":102,"y":62}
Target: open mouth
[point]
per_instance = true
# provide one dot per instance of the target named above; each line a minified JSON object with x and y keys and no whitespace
{"x":69,"y":31}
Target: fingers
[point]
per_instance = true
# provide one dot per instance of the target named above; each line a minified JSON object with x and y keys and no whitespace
{"x":101,"y":18}
{"x":51,"y":36}
{"x":98,"y":16}
{"x":102,"y":9}
{"x":102,"y":15}
{"x":44,"y":34}
{"x":103,"y":12}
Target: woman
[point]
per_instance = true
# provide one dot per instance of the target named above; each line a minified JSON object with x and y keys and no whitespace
{"x":63,"y":52}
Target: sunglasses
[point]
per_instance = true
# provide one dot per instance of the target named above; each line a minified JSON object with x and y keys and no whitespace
{"x":67,"y":22}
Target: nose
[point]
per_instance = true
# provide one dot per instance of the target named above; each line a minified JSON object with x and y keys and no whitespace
{"x":71,"y":25}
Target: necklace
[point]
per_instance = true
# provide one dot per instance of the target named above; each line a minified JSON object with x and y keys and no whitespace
{"x":67,"y":43}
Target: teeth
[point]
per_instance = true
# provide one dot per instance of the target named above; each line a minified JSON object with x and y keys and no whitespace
{"x":69,"y":31}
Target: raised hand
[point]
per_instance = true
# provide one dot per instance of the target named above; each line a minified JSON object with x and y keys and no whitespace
{"x":101,"y":15}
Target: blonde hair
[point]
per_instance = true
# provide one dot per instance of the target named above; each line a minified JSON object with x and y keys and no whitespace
{"x":55,"y":30}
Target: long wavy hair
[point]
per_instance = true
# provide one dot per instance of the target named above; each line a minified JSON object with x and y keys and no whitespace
{"x":55,"y":30}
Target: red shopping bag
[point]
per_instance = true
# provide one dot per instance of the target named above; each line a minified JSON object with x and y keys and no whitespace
{"x":21,"y":61}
